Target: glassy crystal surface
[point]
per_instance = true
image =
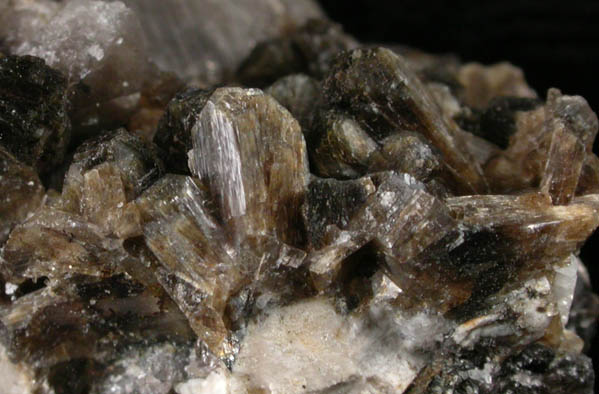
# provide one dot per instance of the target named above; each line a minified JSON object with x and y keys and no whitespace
{"x":251,"y":154}
{"x":375,"y":97}
{"x":206,"y":40}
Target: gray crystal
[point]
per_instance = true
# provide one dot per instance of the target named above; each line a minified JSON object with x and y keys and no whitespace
{"x":206,"y":40}
{"x":342,"y":149}
{"x":300,"y":94}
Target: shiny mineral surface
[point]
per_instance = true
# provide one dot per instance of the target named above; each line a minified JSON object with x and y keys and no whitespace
{"x":238,"y":197}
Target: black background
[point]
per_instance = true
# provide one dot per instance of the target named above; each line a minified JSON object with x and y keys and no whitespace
{"x":556,"y":43}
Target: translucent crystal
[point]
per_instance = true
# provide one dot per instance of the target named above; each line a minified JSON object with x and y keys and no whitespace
{"x":251,"y":154}
{"x":549,"y":149}
{"x":483,"y":83}
{"x":395,"y":212}
{"x":199,"y":274}
{"x":206,"y":40}
{"x":393,"y":99}
{"x":300,"y":94}
{"x":573,"y":127}
{"x":212,"y":234}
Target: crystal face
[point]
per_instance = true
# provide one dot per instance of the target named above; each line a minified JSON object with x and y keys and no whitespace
{"x":256,"y":202}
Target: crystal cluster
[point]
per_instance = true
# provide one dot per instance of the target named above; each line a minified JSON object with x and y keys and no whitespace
{"x":238,"y":197}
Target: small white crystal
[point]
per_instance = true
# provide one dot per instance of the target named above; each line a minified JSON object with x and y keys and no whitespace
{"x":96,"y":52}
{"x":563,"y":286}
{"x":215,"y":383}
{"x":10,"y":288}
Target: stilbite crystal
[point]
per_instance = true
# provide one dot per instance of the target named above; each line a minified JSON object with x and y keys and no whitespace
{"x":374,"y":221}
{"x":251,"y":154}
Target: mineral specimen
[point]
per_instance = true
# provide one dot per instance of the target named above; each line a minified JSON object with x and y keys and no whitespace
{"x":377,"y":220}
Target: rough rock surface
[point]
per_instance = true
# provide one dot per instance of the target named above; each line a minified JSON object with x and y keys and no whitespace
{"x":33,"y":112}
{"x":376,"y":220}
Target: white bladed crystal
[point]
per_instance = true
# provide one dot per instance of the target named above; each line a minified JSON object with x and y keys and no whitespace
{"x":563,"y":286}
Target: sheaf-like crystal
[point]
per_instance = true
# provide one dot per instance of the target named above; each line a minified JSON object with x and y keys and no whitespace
{"x":375,"y":221}
{"x":251,"y":154}
{"x":393,"y":99}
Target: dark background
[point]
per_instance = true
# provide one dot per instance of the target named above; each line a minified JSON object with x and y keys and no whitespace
{"x":556,"y":43}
